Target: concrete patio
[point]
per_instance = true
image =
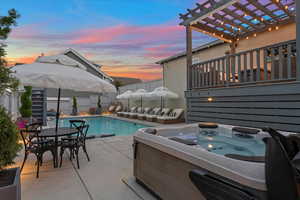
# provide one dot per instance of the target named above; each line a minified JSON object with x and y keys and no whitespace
{"x":107,"y":176}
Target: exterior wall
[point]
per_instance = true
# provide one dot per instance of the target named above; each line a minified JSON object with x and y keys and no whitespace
{"x":148,"y":86}
{"x":284,"y":33}
{"x":85,"y":100}
{"x":174,"y":71}
{"x":11,"y":102}
{"x":273,"y":105}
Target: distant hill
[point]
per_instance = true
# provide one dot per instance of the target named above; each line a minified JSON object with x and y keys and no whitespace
{"x":126,"y":80}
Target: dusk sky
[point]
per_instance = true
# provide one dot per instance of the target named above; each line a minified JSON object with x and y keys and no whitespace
{"x":127,"y":37}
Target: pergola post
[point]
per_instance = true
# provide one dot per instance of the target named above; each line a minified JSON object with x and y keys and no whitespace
{"x":189,"y":55}
{"x":298,"y":39}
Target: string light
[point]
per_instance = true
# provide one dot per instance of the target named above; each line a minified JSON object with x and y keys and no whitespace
{"x":277,"y":27}
{"x":270,"y":29}
{"x":210,"y":99}
{"x":286,"y":7}
{"x":254,"y":35}
{"x":247,"y":38}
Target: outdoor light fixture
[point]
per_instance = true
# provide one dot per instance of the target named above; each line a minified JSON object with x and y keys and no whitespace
{"x":210,"y":99}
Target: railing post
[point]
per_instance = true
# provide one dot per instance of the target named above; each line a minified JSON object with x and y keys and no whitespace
{"x":298,"y":39}
{"x":189,"y":56}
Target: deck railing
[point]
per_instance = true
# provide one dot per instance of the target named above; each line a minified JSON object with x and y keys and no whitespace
{"x":267,"y":64}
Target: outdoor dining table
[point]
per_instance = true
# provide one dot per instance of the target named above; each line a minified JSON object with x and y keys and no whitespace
{"x":52,"y":133}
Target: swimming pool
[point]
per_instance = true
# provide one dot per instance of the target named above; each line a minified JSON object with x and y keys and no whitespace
{"x":106,"y":125}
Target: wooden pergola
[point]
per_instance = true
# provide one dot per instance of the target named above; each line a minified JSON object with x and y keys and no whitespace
{"x":234,"y":20}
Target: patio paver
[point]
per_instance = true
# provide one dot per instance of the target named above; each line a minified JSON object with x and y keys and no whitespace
{"x":101,"y":178}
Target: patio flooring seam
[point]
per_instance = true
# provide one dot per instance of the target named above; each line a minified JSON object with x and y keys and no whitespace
{"x":119,"y":151}
{"x":82,"y":182}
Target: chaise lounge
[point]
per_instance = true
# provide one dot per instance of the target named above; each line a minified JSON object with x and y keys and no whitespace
{"x":153,"y":118}
{"x":173,"y":117}
{"x":142,"y":116}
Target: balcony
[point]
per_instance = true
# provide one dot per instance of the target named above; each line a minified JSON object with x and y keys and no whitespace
{"x":269,"y":64}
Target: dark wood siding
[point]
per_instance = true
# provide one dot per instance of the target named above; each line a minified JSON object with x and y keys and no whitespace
{"x":274,"y":105}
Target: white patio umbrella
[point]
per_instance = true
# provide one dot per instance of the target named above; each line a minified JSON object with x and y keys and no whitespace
{"x":162,"y":93}
{"x":139,"y":94}
{"x":126,"y":95}
{"x":60,"y":72}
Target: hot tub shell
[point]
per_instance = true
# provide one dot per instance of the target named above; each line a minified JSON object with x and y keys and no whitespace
{"x":163,"y":165}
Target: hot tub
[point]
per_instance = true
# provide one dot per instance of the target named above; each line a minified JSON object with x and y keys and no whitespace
{"x":163,"y":164}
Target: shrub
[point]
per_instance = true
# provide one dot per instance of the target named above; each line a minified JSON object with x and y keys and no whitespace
{"x":26,"y":102}
{"x":9,"y":137}
{"x":74,"y":103}
{"x":99,"y":102}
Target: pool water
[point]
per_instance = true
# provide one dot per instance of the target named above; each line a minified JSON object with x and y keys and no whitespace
{"x":229,"y":144}
{"x":106,"y":125}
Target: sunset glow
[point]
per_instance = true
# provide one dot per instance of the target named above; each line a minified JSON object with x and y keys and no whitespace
{"x":126,"y":37}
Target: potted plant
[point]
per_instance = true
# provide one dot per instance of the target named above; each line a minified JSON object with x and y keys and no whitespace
{"x":26,"y":104}
{"x":74,"y":109}
{"x":10,"y":188}
{"x":99,"y":107}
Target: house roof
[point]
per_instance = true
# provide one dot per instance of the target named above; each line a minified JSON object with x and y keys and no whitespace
{"x":91,"y":64}
{"x":195,"y":50}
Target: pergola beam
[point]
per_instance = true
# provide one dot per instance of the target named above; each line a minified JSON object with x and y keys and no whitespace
{"x":189,"y":55}
{"x":227,"y":21}
{"x":248,"y":12}
{"x":277,"y":3}
{"x":236,"y":16}
{"x":207,"y":11}
{"x":262,"y":8}
{"x":218,"y":24}
{"x":212,"y":32}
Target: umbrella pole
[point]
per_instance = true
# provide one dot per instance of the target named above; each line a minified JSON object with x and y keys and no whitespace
{"x":161,"y":102}
{"x":56,"y":128}
{"x":142,"y":102}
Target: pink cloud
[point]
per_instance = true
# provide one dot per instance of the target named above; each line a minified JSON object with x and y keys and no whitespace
{"x":126,"y":34}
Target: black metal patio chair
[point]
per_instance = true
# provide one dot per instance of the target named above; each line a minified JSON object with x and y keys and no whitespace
{"x":280,"y":172}
{"x":75,"y":143}
{"x":34,"y":144}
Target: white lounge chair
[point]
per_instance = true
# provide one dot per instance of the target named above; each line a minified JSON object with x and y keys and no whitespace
{"x":173,"y":117}
{"x":133,"y":115}
{"x":153,"y":118}
{"x":142,"y":116}
{"x":125,"y":114}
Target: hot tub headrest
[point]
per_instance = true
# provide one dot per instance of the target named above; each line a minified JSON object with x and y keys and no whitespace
{"x":208,"y":125}
{"x":152,"y":131}
{"x":243,"y":130}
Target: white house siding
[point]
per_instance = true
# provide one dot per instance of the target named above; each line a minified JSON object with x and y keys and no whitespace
{"x":11,"y":103}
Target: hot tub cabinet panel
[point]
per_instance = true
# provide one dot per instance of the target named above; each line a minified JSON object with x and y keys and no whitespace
{"x":165,"y":175}
{"x":168,"y":176}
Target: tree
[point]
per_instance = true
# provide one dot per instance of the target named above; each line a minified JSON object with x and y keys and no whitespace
{"x":26,"y":102}
{"x":118,"y":84}
{"x":9,"y":145}
{"x":6,"y":80}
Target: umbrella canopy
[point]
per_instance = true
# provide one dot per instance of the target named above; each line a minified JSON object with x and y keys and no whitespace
{"x":60,"y":72}
{"x":162,"y":93}
{"x":125,"y":95}
{"x":139,"y":94}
